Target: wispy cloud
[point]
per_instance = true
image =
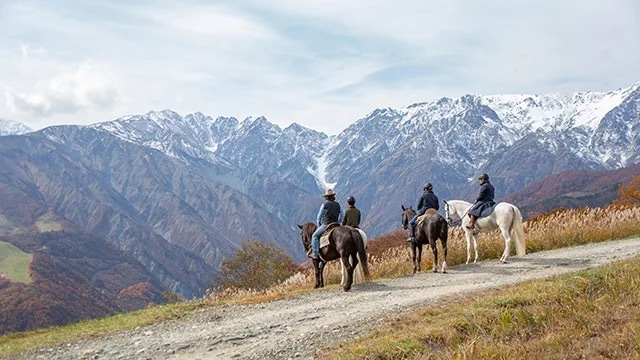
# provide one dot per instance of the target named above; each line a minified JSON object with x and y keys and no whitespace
{"x":322,"y":64}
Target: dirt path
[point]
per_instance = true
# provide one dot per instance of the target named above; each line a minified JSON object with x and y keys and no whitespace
{"x":297,"y":327}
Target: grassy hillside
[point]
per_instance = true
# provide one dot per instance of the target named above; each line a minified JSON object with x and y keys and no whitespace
{"x":589,"y":314}
{"x":75,"y":277}
{"x":14,"y":263}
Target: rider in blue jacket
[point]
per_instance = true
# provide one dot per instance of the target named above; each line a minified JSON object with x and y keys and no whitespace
{"x":330,"y":212}
{"x":427,"y":201}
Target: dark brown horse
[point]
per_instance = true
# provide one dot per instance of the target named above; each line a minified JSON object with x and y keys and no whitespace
{"x":433,"y":227}
{"x":345,"y":243}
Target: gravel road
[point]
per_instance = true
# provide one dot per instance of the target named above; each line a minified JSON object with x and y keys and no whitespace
{"x":297,"y":327}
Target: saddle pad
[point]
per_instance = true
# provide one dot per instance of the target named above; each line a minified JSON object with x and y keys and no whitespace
{"x":487,"y":209}
{"x":324,"y":239}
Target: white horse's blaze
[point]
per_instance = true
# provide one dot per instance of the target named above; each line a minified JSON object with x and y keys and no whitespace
{"x":505,"y":216}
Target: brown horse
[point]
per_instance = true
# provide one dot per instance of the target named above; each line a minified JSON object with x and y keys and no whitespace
{"x":345,"y":243}
{"x":433,"y":227}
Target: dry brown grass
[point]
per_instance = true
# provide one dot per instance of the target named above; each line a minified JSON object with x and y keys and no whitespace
{"x":390,"y":255}
{"x":590,"y":314}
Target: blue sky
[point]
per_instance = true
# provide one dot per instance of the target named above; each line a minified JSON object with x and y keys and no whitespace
{"x":322,"y":64}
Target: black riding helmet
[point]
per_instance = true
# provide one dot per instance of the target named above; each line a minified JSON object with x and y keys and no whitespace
{"x":484,"y":177}
{"x":351,"y":200}
{"x":427,"y":186}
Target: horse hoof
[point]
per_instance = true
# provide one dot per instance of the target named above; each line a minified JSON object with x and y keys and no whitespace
{"x":444,"y":271}
{"x":347,"y":288}
{"x":435,"y":271}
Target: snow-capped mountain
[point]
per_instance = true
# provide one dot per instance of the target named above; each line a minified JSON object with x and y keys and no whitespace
{"x":187,"y":190}
{"x":388,"y":154}
{"x":8,"y":127}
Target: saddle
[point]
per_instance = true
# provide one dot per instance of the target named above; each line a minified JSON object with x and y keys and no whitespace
{"x":422,"y":218}
{"x":324,"y":238}
{"x":487,"y":209}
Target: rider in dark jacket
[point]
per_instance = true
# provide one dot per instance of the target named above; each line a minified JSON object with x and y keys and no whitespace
{"x":484,"y":200}
{"x":330,"y":212}
{"x":427,"y":201}
{"x":352,"y":214}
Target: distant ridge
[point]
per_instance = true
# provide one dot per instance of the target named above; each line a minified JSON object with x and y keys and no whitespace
{"x":572,"y":189}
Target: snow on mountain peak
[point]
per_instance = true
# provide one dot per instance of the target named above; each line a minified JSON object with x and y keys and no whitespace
{"x":8,"y":127}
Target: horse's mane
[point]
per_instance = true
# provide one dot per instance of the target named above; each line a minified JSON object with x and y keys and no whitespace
{"x":453,"y":202}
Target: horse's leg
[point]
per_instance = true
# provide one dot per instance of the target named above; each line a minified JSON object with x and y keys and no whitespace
{"x":444,"y":254}
{"x":320,"y":276}
{"x":342,"y":271}
{"x":419,"y":258}
{"x":467,"y":236}
{"x":434,"y":249}
{"x":475,"y":246}
{"x":353,"y":260}
{"x":507,"y":244}
{"x":414,"y":253}
{"x":316,"y":266}
{"x":349,"y":268}
{"x":319,"y":265}
{"x":358,"y":273}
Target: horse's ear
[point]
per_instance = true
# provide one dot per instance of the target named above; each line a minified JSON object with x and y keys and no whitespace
{"x":445,"y":201}
{"x":300,"y":226}
{"x":402,"y":207}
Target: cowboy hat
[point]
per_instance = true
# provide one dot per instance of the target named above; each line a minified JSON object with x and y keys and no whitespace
{"x":329,"y":192}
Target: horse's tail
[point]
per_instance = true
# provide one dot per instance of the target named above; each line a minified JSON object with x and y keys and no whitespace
{"x":444,"y":228}
{"x":362,"y":252}
{"x":517,"y":232}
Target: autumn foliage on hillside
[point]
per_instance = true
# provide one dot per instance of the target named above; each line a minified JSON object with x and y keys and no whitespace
{"x":256,"y":265}
{"x":75,"y":277}
{"x":629,"y":194}
{"x":572,"y":189}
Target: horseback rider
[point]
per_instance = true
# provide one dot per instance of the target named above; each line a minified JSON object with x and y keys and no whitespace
{"x":352,"y":214}
{"x":428,"y":200}
{"x":330,"y":212}
{"x":484,"y":200}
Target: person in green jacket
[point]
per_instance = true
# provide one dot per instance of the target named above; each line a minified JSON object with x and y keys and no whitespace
{"x":352,"y":214}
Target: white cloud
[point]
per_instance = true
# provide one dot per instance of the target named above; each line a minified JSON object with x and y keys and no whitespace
{"x":78,"y":87}
{"x":323,"y":64}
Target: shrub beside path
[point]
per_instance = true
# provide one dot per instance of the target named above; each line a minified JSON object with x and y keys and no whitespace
{"x":295,"y":328}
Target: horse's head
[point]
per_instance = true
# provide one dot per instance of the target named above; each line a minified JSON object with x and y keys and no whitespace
{"x":455,"y":210}
{"x":447,"y":213}
{"x":306,"y":231}
{"x":407,"y":214}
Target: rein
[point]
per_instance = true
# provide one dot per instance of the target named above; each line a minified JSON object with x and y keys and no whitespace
{"x":449,"y":219}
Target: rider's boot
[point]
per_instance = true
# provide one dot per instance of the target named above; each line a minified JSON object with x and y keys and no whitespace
{"x":412,"y":232}
{"x":472,"y":222}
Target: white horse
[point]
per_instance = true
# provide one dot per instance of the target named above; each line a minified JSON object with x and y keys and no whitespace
{"x":505,"y":216}
{"x":359,"y":274}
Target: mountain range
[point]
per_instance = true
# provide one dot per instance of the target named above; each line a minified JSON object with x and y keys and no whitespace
{"x":177,"y":194}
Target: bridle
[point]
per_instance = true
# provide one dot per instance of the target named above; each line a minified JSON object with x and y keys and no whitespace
{"x":405,"y":219}
{"x":446,"y":213}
